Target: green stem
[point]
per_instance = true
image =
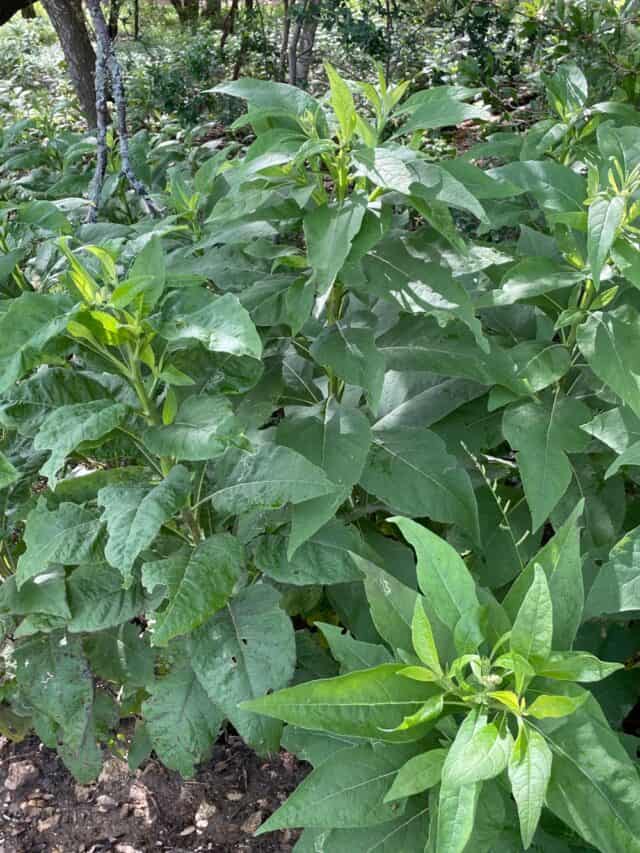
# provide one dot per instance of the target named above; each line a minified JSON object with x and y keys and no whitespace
{"x":585,"y":300}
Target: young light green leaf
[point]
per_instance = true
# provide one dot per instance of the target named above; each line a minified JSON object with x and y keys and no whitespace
{"x":146,"y":280}
{"x":342,"y":103}
{"x":561,"y":560}
{"x":575,"y":666}
{"x":532,"y":631}
{"x":205,"y":587}
{"x":422,"y":636}
{"x":485,"y":755}
{"x":456,"y":816}
{"x":419,"y":774}
{"x":529,"y":772}
{"x":431,"y":710}
{"x":444,"y":579}
{"x":545,"y":706}
{"x":134,"y":516}
{"x":604,"y":220}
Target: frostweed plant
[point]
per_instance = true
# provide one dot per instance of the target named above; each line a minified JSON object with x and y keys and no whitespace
{"x":228,"y":433}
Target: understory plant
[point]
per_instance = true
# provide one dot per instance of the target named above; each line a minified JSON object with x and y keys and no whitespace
{"x":229,"y":431}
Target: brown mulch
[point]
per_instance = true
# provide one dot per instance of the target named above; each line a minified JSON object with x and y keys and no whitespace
{"x":151,"y":809}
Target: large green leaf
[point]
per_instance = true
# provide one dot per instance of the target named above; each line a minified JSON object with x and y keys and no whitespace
{"x":528,"y":279}
{"x":267,"y":478}
{"x":594,"y":785}
{"x":543,"y":434}
{"x":604,"y":220}
{"x":556,"y":188}
{"x":67,"y":427}
{"x":391,"y":604}
{"x":219,"y":323}
{"x":48,"y":595}
{"x":562,"y":563}
{"x":440,"y":106}
{"x":418,"y":286}
{"x":419,"y":774}
{"x":26,"y":329}
{"x":329,"y":231}
{"x":181,"y":720}
{"x":608,"y":342}
{"x":350,"y":353}
{"x":245,"y":650}
{"x":209,"y":577}
{"x":350,"y":653}
{"x":532,"y":632}
{"x":56,"y":682}
{"x":135,"y":514}
{"x":446,"y":582}
{"x":367,"y":703}
{"x":347,"y":791}
{"x":325,"y":558}
{"x":411,"y":471}
{"x":336,"y":438}
{"x":69,"y":535}
{"x":616,"y":589}
{"x":8,"y":473}
{"x":408,"y":832}
{"x":529,"y":772}
{"x":26,"y":405}
{"x":97,"y":599}
{"x":202,"y":429}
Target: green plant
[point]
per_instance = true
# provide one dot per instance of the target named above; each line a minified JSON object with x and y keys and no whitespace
{"x":478,"y":700}
{"x":210,"y":418}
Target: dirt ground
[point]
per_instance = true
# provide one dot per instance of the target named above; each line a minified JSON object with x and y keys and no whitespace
{"x":151,"y":809}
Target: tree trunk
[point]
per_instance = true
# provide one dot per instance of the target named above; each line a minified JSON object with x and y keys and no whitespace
{"x":247,"y":24}
{"x":213,"y":11}
{"x":188,"y":10}
{"x":68,"y":21}
{"x":114,"y":15}
{"x":108,"y":61}
{"x":8,"y":8}
{"x":136,"y":19}
{"x":304,"y":52}
{"x":284,"y":45}
{"x":228,"y":25}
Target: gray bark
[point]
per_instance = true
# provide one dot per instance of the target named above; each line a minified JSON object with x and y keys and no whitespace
{"x":107,"y":61}
{"x":69,"y":23}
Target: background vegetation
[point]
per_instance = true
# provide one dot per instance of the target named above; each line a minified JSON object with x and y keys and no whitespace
{"x":319,"y":405}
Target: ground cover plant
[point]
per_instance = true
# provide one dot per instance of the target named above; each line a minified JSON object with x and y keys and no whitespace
{"x":338,"y":449}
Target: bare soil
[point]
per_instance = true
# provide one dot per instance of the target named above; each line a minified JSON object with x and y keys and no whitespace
{"x":151,"y":809}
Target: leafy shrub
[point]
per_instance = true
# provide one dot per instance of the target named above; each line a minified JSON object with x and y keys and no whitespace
{"x":259,"y":407}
